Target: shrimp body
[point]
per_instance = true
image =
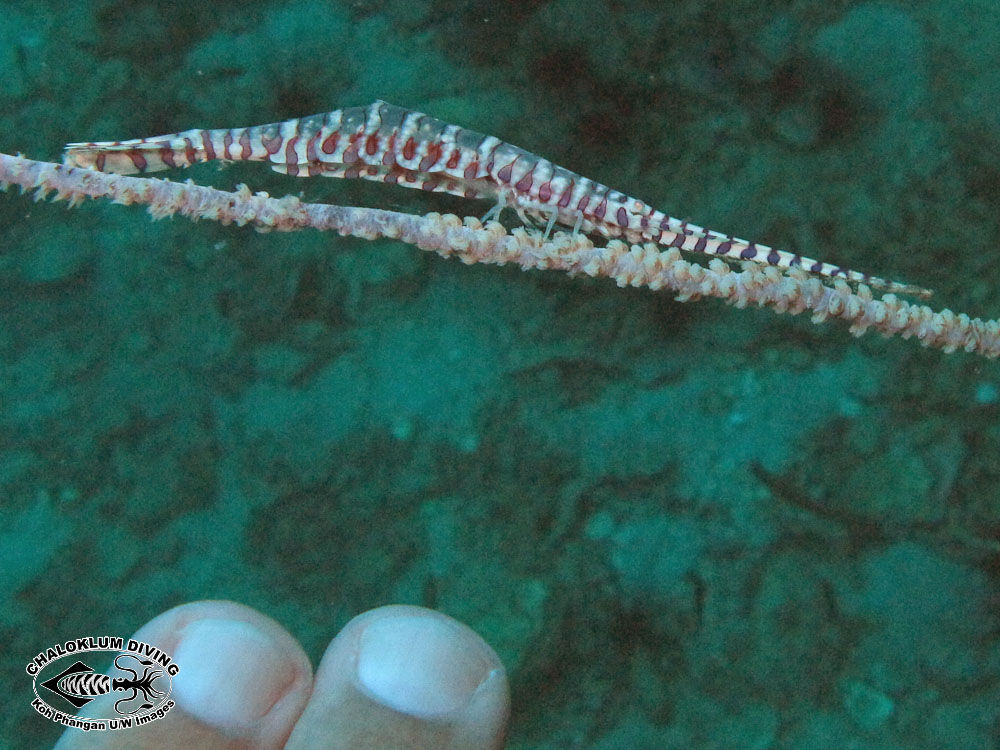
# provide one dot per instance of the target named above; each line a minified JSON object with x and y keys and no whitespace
{"x":390,"y":144}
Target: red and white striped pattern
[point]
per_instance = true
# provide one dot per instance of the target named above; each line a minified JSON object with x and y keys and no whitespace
{"x":394,"y":145}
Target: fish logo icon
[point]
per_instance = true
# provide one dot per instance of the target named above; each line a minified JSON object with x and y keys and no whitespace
{"x":78,"y":684}
{"x":137,"y":687}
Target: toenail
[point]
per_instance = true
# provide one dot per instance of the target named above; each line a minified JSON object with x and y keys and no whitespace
{"x":231,"y":673}
{"x":421,"y":666}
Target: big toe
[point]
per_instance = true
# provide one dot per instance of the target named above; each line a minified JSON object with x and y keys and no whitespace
{"x":243,"y":682}
{"x":406,"y":677}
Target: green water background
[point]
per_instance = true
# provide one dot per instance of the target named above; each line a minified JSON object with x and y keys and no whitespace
{"x":680,"y":525}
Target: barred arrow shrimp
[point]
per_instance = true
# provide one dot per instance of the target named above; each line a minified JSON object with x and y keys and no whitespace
{"x":394,"y":145}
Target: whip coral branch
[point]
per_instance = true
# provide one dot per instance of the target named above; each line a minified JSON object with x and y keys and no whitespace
{"x":792,"y":291}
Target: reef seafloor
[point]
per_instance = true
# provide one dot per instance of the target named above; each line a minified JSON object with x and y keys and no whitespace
{"x":681,"y":525}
